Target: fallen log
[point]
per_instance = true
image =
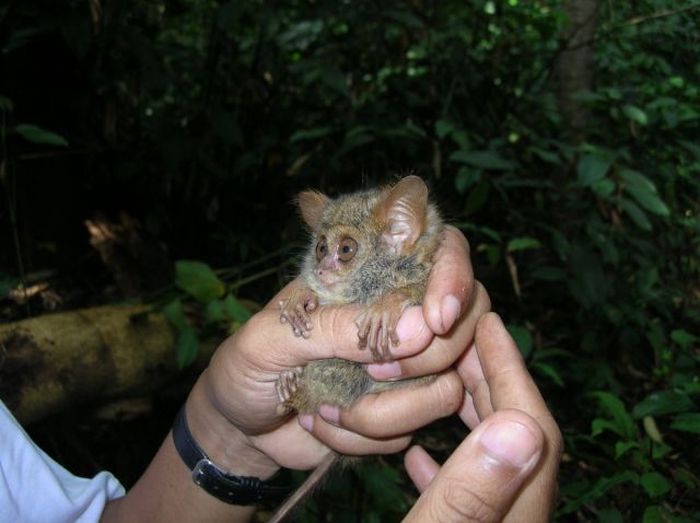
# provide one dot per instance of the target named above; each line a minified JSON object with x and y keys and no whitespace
{"x":52,"y":362}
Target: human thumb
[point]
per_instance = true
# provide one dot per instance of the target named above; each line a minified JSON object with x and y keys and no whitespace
{"x":481,"y":479}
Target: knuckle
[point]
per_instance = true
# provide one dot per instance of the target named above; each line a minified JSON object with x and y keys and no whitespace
{"x":457,"y":502}
{"x":448,"y":390}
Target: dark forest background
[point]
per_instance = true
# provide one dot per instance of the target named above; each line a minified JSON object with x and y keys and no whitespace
{"x":150,"y":151}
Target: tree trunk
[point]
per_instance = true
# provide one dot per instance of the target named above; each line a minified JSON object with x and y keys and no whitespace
{"x":575,"y":63}
{"x":52,"y":362}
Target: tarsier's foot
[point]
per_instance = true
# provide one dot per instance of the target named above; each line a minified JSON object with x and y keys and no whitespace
{"x":377,"y":325}
{"x":287,"y":384}
{"x":295,"y":311}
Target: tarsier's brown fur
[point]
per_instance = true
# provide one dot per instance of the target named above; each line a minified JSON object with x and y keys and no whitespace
{"x":374,"y":248}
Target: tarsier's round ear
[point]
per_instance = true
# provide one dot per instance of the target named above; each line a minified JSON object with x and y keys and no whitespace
{"x":311,"y":205}
{"x":404,"y":211}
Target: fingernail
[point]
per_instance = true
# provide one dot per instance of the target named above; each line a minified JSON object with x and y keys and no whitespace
{"x":510,"y":442}
{"x":410,"y":324}
{"x":306,"y":421}
{"x":450,"y":309}
{"x":384,"y":371}
{"x":330,"y":413}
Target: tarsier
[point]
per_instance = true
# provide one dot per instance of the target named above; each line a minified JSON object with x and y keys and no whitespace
{"x":374,"y":248}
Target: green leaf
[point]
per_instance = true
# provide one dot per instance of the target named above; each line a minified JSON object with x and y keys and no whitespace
{"x":214,"y":312}
{"x":691,"y":147}
{"x":493,"y":253}
{"x":198,"y":280}
{"x":610,"y":515}
{"x":522,"y":337}
{"x":637,"y":215}
{"x":636,"y":179}
{"x":655,"y":484}
{"x":235,"y":310}
{"x":523,"y":243}
{"x":683,"y":338}
{"x":548,"y":370}
{"x":599,"y":489}
{"x":488,"y":160}
{"x":622,"y":447}
{"x":600,"y":425}
{"x":664,"y":402}
{"x":546,"y":156}
{"x":443,"y":128}
{"x":310,"y":134}
{"x":36,"y":134}
{"x":635,"y":114}
{"x":186,"y":347}
{"x":644,"y":191}
{"x":650,"y":201}
{"x":687,"y":422}
{"x":175,"y":314}
{"x":655,"y":514}
{"x":354,"y":138}
{"x":477,"y":198}
{"x":592,"y":167}
{"x":622,"y":423}
{"x":466,"y":177}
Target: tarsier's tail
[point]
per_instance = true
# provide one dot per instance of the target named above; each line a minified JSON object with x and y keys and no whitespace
{"x":306,"y":488}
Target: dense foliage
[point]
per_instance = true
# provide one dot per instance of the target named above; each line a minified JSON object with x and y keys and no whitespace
{"x":202,"y":118}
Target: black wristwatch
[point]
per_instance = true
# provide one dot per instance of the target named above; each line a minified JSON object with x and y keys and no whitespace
{"x":235,"y":490}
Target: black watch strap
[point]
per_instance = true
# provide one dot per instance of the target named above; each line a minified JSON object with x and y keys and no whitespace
{"x":235,"y":490}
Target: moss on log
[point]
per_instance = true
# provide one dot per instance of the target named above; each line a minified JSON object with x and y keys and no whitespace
{"x":52,"y":362}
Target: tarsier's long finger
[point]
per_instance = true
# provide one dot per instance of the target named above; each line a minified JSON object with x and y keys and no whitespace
{"x":362,"y":322}
{"x":391,"y":321}
{"x":303,"y":320}
{"x":311,"y":303}
{"x":283,"y":311}
{"x":374,"y":334}
{"x":384,"y":335}
{"x":281,"y":389}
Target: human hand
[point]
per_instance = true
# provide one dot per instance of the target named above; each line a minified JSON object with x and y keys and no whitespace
{"x":240,"y":381}
{"x":506,"y":469}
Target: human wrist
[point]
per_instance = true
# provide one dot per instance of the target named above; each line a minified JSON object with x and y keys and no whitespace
{"x":224,"y":443}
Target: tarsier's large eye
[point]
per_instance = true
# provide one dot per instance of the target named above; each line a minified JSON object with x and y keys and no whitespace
{"x":347,"y":249}
{"x":321,"y":248}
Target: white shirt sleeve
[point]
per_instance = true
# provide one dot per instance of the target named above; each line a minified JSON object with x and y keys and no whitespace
{"x":34,"y":488}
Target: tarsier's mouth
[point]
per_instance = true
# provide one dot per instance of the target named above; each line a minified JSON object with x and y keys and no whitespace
{"x":329,"y":280}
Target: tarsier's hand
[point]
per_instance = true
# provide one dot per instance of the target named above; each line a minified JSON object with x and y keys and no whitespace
{"x":296,"y":310}
{"x":377,"y":324}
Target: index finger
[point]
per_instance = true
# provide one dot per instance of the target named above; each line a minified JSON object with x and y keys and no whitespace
{"x":510,"y":384}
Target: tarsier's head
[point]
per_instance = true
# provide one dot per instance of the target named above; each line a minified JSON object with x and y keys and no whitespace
{"x":356,"y":228}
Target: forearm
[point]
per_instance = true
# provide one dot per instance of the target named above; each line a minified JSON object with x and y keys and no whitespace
{"x":166,"y":492}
